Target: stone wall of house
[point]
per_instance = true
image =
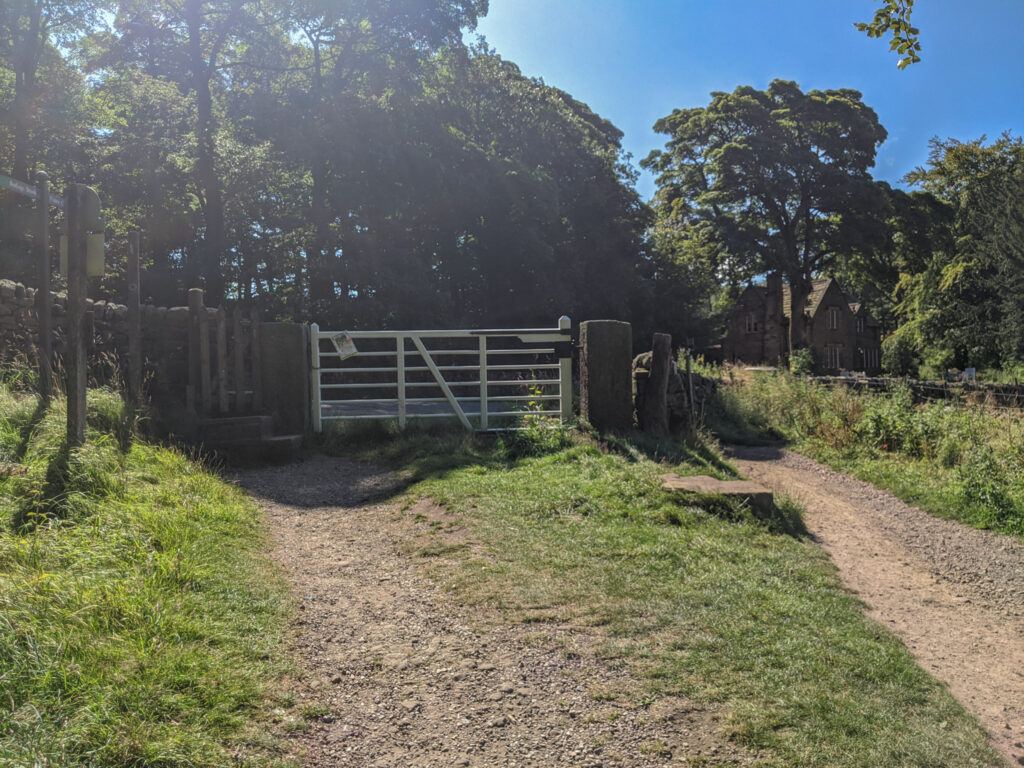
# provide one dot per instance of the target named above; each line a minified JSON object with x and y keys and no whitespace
{"x":768,"y":342}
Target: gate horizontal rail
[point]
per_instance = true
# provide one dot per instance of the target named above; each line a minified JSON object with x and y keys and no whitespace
{"x":406,"y":375}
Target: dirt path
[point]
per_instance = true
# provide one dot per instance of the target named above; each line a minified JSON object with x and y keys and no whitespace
{"x":953,"y":594}
{"x":397,"y":674}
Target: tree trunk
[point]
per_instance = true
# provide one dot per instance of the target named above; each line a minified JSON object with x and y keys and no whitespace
{"x":215,"y":238}
{"x":799,"y":290}
{"x":28,"y":47}
{"x":321,"y":278}
{"x":19,"y":168}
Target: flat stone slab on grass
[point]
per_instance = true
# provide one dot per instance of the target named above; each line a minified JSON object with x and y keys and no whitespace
{"x":709,"y":486}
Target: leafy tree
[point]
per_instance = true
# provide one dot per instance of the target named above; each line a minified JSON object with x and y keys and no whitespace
{"x":190,"y":43}
{"x":962,"y":301}
{"x":773,"y":180}
{"x":352,"y":161}
{"x":351,"y":53}
{"x":29,"y":29}
{"x":893,"y":18}
{"x":917,"y":226}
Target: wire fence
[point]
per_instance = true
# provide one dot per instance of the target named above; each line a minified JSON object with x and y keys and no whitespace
{"x":1001,"y":397}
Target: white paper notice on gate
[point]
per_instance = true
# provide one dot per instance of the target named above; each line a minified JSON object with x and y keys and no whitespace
{"x":344,"y":344}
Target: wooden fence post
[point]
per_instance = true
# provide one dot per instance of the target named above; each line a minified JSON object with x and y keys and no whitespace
{"x":223,"y":402}
{"x":314,"y":363}
{"x":565,"y":376}
{"x":238,"y":340}
{"x":78,"y":204}
{"x":134,"y":321}
{"x":43,"y":303}
{"x":195,"y":310}
{"x":257,"y":360}
{"x":689,"y":381}
{"x":205,"y":374}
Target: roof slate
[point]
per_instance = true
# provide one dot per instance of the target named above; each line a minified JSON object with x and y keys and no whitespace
{"x":818,"y":290}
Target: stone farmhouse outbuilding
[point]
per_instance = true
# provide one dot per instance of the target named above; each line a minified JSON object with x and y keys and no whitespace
{"x":842,"y":333}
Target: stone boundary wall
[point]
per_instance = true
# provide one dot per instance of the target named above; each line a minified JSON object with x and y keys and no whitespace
{"x":164,"y":338}
{"x":281,"y":363}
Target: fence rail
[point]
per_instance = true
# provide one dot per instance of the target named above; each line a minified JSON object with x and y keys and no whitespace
{"x":1006,"y":397}
{"x":494,"y":376}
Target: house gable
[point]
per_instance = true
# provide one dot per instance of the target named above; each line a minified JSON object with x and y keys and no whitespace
{"x":843,"y":334}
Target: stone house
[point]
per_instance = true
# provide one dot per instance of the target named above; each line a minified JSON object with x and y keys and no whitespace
{"x":842,"y":333}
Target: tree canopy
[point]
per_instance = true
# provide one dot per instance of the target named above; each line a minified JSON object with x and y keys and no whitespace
{"x":961,"y":294}
{"x":771,"y":181}
{"x":350,"y":161}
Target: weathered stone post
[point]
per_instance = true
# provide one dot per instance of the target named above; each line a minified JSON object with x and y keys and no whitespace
{"x":606,"y":393}
{"x":284,"y":373}
{"x":653,"y":417}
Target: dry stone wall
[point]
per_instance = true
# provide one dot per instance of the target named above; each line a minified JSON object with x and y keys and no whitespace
{"x":164,"y":337}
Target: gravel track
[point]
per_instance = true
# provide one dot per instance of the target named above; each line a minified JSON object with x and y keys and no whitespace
{"x":953,"y":594}
{"x":398,"y":674}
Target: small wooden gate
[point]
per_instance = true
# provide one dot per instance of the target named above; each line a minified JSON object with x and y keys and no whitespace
{"x":492,"y":377}
{"x":224,"y":360}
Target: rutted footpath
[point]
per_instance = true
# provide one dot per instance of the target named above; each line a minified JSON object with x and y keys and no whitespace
{"x":396,"y":674}
{"x":539,"y":600}
{"x":953,"y":594}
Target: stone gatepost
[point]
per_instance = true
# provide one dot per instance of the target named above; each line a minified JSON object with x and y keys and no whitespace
{"x":606,"y":389}
{"x":284,"y":359}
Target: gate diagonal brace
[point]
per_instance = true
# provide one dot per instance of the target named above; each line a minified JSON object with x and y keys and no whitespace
{"x":442,"y":383}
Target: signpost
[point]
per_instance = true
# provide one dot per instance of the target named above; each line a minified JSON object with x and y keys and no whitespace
{"x":43,"y":304}
{"x":83,"y":217}
{"x":27,"y":190}
{"x":84,"y":227}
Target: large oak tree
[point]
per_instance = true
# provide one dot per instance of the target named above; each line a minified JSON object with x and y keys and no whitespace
{"x":773,"y":181}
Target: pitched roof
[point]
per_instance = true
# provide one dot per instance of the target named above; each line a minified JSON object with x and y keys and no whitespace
{"x":818,"y":290}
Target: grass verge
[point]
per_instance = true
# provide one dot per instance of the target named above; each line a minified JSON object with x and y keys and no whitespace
{"x":140,"y":621}
{"x":716,"y":605}
{"x":955,"y":461}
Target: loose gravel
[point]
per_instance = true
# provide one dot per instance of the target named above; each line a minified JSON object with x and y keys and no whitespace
{"x":953,"y":594}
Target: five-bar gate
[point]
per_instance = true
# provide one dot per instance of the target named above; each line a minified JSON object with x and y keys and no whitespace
{"x":492,"y":377}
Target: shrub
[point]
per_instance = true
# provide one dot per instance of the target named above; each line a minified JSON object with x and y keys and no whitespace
{"x":899,"y":354}
{"x":802,"y":362}
{"x":985,"y":482}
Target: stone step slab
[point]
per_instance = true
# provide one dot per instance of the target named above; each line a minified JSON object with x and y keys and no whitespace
{"x":703,"y":485}
{"x":224,"y":430}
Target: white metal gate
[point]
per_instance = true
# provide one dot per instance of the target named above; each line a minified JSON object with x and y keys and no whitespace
{"x":495,"y":377}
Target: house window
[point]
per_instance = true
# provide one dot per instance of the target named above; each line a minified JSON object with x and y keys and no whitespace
{"x":752,"y":324}
{"x":860,"y":325}
{"x":833,"y":318}
{"x":833,"y":359}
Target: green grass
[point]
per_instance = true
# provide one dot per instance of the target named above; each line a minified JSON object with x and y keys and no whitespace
{"x":955,"y":461}
{"x":140,"y":622}
{"x":710,"y":603}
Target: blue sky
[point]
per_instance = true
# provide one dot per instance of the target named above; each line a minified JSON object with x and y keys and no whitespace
{"x":634,"y":61}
